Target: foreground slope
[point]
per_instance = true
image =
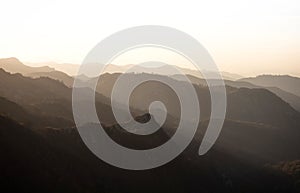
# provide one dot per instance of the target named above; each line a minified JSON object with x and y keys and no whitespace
{"x":58,"y":161}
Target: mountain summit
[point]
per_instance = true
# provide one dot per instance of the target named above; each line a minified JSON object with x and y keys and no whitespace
{"x":14,"y":65}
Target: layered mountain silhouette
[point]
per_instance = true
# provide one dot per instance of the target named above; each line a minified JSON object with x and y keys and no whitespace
{"x":41,"y":150}
{"x":166,"y":70}
{"x":284,"y":82}
{"x":13,"y":65}
{"x":72,"y":69}
{"x":281,"y":88}
{"x":241,"y":101}
{"x":290,"y":98}
{"x":67,"y":68}
{"x":47,"y":97}
{"x":55,"y":75}
{"x":50,"y":97}
{"x":34,"y":120}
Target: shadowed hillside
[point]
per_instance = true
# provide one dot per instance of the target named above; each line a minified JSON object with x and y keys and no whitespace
{"x":41,"y":150}
{"x":58,"y":161}
{"x":284,"y":82}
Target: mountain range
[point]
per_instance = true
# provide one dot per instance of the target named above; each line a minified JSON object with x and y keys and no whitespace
{"x":41,"y":150}
{"x":286,"y":87}
{"x":72,"y":69}
{"x":284,"y":82}
{"x":13,"y":65}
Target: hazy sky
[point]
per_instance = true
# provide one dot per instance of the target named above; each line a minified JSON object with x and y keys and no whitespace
{"x":245,"y":37}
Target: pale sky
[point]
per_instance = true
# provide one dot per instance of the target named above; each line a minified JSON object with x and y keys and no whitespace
{"x":244,"y":37}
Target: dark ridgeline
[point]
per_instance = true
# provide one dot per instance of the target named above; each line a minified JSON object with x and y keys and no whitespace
{"x":41,"y":150}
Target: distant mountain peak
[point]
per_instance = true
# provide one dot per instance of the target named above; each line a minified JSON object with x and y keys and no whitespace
{"x":285,"y":82}
{"x":11,"y":60}
{"x":14,"y":65}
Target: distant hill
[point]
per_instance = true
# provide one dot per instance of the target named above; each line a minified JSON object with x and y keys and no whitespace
{"x":284,"y":82}
{"x":253,"y":105}
{"x":263,"y":81}
{"x":290,"y":98}
{"x":13,"y":86}
{"x":56,"y":75}
{"x":70,"y":69}
{"x":165,"y":70}
{"x":47,"y":97}
{"x":33,"y":120}
{"x":13,"y":110}
{"x":13,"y":65}
{"x":260,"y":106}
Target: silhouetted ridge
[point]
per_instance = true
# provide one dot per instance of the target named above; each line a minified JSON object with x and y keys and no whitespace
{"x":284,"y":82}
{"x":261,"y":106}
{"x":13,"y":65}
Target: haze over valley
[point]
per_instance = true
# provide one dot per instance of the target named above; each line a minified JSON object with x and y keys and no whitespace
{"x":257,"y":150}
